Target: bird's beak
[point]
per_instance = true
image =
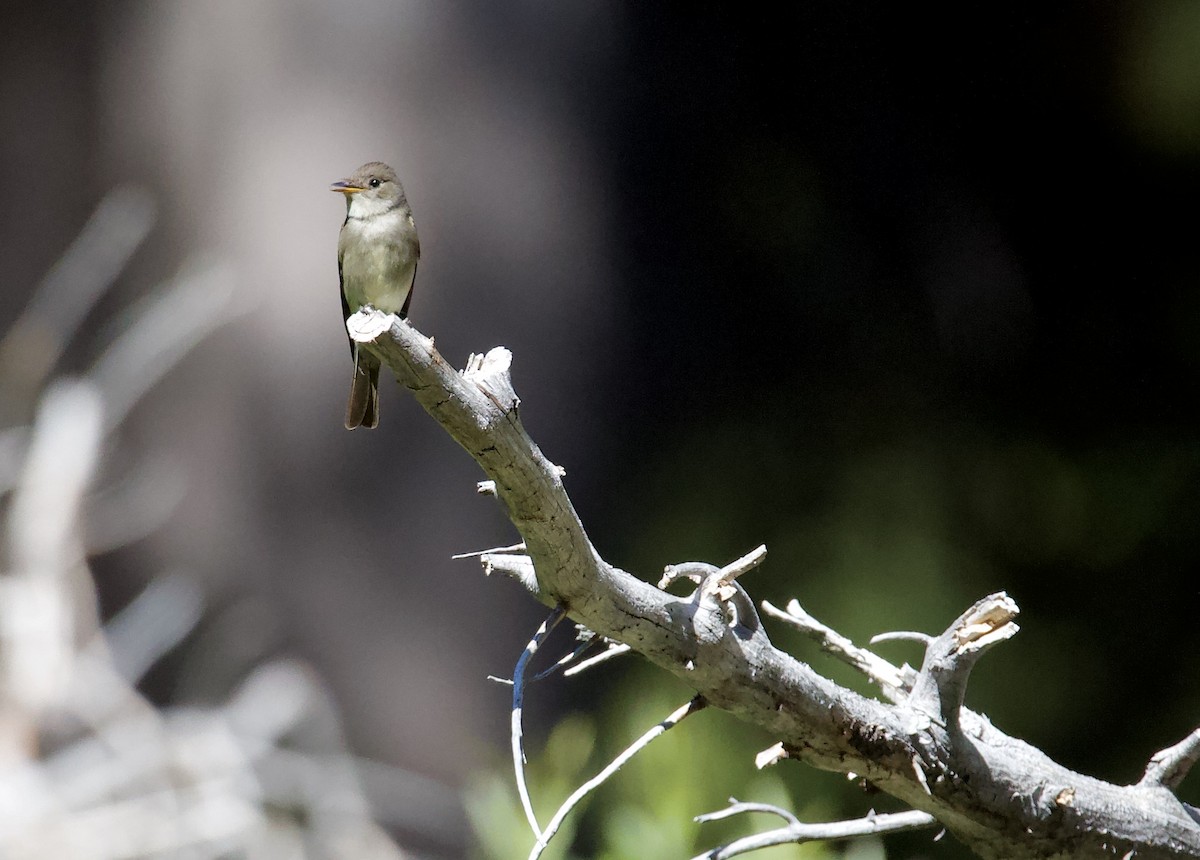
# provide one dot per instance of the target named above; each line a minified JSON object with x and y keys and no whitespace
{"x":345,"y":187}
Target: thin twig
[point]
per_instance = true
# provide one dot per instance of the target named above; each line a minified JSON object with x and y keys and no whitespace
{"x":798,"y":832}
{"x":518,"y":685}
{"x":695,"y":704}
{"x":746,"y":563}
{"x":901,"y":636}
{"x":890,"y":678}
{"x":516,"y":547}
{"x":737,"y":807}
{"x":614,"y":650}
{"x":564,"y":661}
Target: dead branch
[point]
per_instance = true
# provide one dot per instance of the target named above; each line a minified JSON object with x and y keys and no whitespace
{"x":1002,"y":797}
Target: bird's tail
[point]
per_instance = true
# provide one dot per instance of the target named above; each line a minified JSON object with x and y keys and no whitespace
{"x":363,"y":408}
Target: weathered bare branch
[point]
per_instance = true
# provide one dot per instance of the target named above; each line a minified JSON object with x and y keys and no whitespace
{"x":1002,"y":797}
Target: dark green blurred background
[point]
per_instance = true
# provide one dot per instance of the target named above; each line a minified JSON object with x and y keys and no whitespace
{"x":912,"y":299}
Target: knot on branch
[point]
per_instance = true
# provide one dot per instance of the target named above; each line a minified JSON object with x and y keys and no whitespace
{"x":719,"y":585}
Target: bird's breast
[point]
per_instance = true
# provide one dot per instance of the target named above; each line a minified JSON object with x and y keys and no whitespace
{"x":379,"y":260}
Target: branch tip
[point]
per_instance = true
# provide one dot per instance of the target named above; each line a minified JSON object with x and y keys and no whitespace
{"x":499,"y":550}
{"x":1168,"y":768}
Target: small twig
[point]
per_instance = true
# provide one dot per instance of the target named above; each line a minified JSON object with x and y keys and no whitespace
{"x":901,"y":636}
{"x":518,"y":685}
{"x":745,"y":564}
{"x":772,"y":755}
{"x":919,"y":771}
{"x":679,"y":715}
{"x":563,"y":661}
{"x":500,"y":550}
{"x":737,"y":807}
{"x":516,"y":566}
{"x":891,"y":679}
{"x":614,"y":650}
{"x":798,"y":832}
{"x":1168,"y":768}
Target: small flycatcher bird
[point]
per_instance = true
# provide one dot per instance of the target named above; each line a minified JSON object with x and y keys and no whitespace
{"x":378,"y":252}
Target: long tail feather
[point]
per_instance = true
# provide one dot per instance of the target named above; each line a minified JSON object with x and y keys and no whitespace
{"x":363,"y":408}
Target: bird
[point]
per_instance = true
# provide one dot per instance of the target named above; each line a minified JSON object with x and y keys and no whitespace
{"x":378,"y":251}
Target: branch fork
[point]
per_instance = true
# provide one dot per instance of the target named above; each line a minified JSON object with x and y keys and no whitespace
{"x":942,"y":682}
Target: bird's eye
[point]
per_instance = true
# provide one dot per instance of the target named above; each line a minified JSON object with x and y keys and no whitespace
{"x":374,"y":183}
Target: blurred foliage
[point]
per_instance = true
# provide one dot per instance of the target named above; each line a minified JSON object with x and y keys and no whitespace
{"x":1160,"y":88}
{"x":904,"y":533}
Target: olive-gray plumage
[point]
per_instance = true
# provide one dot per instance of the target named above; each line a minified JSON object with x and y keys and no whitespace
{"x":378,"y":252}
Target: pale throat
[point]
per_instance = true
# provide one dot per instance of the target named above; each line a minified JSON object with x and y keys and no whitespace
{"x":364,"y":207}
{"x":385,"y":224}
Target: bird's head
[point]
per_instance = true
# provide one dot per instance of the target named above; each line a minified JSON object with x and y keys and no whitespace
{"x":373,"y":189}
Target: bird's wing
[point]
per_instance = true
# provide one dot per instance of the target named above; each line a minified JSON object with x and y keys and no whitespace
{"x":345,"y":304}
{"x":411,"y":287}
